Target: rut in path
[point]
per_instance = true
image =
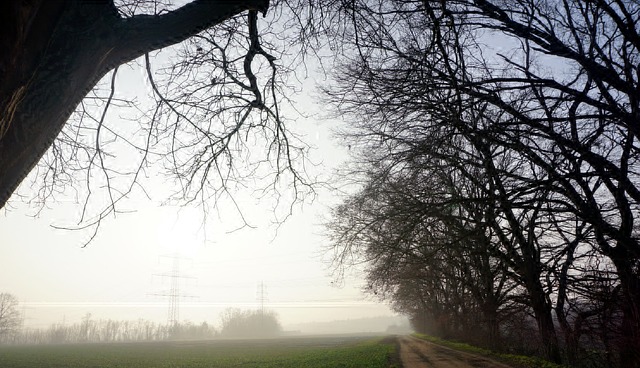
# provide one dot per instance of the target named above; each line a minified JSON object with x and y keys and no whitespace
{"x":416,"y":353}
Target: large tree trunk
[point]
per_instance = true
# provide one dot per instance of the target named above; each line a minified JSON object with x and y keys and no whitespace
{"x":544,"y":320}
{"x":57,"y":51}
{"x":492,"y":323}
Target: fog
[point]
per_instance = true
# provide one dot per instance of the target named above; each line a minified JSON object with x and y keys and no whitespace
{"x":125,"y":272}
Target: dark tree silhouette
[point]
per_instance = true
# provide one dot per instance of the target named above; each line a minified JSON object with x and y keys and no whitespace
{"x":54,"y":52}
{"x":546,"y":95}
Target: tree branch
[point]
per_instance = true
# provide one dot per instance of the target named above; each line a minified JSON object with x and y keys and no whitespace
{"x":141,"y":34}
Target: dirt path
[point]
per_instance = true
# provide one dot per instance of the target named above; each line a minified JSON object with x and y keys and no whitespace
{"x":416,"y":353}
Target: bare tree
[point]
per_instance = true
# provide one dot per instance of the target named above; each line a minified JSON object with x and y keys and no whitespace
{"x":57,"y":52}
{"x":10,"y":318}
{"x":422,"y":223}
{"x":546,"y":95}
{"x":215,"y":121}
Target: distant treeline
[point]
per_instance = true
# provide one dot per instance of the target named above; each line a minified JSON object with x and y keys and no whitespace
{"x":89,"y":330}
{"x":235,"y":323}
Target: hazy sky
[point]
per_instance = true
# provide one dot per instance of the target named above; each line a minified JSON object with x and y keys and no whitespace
{"x":117,"y":274}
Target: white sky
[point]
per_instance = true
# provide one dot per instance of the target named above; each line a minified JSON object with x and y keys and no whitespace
{"x":115,"y":276}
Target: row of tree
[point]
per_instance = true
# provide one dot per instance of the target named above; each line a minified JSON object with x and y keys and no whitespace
{"x":497,"y":170}
{"x":235,"y":323}
{"x":101,"y":331}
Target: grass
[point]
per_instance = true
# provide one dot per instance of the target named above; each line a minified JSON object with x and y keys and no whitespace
{"x":286,"y":352}
{"x":520,"y":361}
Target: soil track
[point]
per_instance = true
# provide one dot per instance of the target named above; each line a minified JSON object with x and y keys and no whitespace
{"x":417,"y":353}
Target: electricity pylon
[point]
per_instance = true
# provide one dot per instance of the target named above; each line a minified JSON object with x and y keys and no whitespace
{"x":173,"y":294}
{"x":261,"y":296}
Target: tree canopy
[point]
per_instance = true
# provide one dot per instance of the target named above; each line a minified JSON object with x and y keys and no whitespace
{"x":497,"y":169}
{"x":218,"y":94}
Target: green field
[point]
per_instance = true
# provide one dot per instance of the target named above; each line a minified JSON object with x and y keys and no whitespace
{"x":343,"y":351}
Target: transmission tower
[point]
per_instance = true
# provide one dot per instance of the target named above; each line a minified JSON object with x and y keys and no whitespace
{"x":261,"y":296}
{"x":173,"y":294}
